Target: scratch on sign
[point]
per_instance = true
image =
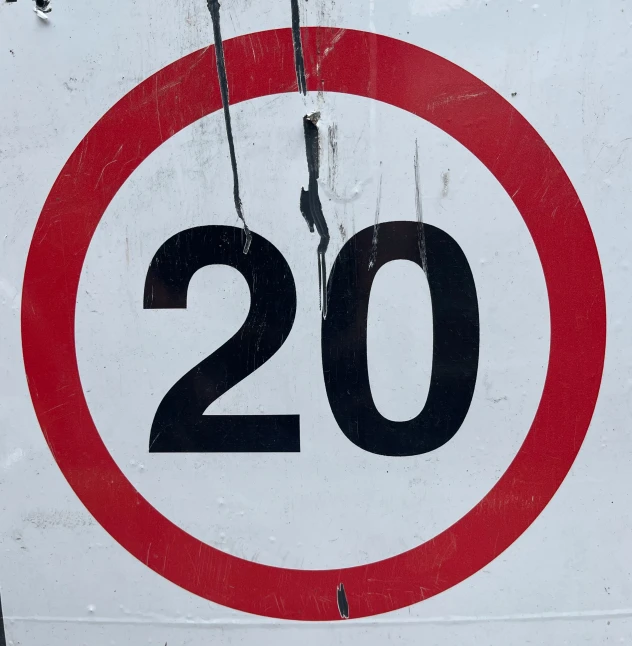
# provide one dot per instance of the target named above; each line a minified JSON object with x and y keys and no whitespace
{"x":421,"y":234}
{"x":376,"y":226}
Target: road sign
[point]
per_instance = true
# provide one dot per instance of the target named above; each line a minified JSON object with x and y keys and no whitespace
{"x":503,"y":141}
{"x":311,"y":326}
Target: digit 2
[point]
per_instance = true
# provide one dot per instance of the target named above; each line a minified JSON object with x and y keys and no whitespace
{"x":179,"y":423}
{"x":455,"y":339}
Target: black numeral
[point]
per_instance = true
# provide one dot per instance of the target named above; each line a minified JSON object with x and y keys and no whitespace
{"x":179,"y":424}
{"x":455,"y":345}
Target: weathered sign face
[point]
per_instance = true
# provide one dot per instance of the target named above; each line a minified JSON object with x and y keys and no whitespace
{"x":304,"y":318}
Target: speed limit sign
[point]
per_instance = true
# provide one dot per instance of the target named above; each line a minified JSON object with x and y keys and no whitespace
{"x":313,"y":324}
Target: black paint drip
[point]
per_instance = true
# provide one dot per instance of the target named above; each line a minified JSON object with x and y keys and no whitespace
{"x":213,"y":7}
{"x":311,"y":208}
{"x":299,"y":62}
{"x":343,"y":604}
{"x":3,"y":639}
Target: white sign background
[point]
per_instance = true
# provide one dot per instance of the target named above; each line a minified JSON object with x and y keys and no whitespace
{"x":63,"y":579}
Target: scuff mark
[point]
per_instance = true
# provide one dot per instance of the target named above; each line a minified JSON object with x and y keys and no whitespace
{"x":444,"y":100}
{"x":214,"y":9}
{"x":355,"y":194}
{"x":299,"y":62}
{"x":332,"y":138}
{"x":434,"y":7}
{"x":13,"y":458}
{"x":343,"y":604}
{"x":310,"y":205}
{"x":46,"y":519}
{"x":339,"y":34}
{"x":68,"y":86}
{"x":488,"y":391}
{"x":445,"y":181}
{"x":376,"y":226}
{"x":421,"y":234}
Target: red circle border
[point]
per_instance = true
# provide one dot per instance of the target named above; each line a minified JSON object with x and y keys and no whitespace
{"x":366,"y":65}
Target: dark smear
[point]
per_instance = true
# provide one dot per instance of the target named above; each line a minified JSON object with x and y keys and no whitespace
{"x":343,"y":604}
{"x":3,"y":639}
{"x":421,"y":236}
{"x":310,"y":205}
{"x":376,"y":226}
{"x":213,"y":7}
{"x":299,"y":62}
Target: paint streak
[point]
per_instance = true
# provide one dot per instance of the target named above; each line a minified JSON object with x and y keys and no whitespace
{"x":311,"y":207}
{"x":343,"y":604}
{"x":299,"y":62}
{"x":376,"y":226}
{"x":214,"y":9}
{"x":421,"y":235}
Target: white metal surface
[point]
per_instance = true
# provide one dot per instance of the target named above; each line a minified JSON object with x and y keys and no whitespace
{"x":63,"y":579}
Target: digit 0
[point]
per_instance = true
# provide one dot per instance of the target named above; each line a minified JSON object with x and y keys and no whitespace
{"x":455,"y":339}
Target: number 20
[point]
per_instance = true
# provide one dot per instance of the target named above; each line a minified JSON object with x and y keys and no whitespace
{"x":180,"y":424}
